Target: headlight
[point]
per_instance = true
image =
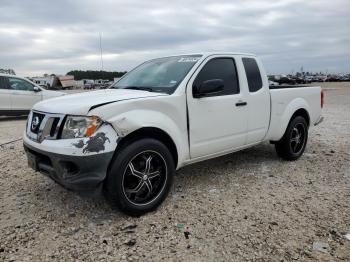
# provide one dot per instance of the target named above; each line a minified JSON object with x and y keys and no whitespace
{"x":80,"y":126}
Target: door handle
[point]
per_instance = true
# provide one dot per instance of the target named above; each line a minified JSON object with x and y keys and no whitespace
{"x":241,"y":103}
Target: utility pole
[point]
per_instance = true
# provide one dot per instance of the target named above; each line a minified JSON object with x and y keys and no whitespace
{"x":101,"y":52}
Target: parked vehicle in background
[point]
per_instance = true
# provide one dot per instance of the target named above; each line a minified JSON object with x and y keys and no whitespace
{"x":333,"y":78}
{"x":18,"y":95}
{"x":104,"y":86}
{"x":96,"y":84}
{"x":344,"y":78}
{"x":310,"y":79}
{"x":46,"y":81}
{"x":89,"y":85}
{"x":54,"y":82}
{"x":165,"y":114}
{"x":298,"y":80}
{"x":321,"y":78}
{"x":282,"y":79}
{"x":272,"y":83}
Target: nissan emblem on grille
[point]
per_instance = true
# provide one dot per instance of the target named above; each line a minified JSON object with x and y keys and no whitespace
{"x":35,"y":123}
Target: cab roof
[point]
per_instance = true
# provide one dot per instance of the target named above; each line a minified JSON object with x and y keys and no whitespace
{"x":206,"y":54}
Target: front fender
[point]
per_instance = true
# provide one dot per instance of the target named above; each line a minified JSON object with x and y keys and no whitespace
{"x":131,"y":121}
{"x":167,"y":113}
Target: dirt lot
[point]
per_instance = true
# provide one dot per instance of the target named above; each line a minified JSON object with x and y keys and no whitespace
{"x":245,"y":206}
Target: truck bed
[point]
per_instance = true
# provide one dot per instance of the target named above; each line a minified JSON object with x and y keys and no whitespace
{"x":287,"y":99}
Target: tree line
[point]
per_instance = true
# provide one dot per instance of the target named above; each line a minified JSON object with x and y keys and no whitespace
{"x":90,"y":74}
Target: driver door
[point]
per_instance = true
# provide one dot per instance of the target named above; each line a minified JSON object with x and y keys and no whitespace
{"x":218,"y":121}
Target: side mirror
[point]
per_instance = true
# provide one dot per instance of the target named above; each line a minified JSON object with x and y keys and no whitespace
{"x":36,"y":89}
{"x":208,"y":87}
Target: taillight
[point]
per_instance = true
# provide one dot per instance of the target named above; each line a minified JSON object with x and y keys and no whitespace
{"x":322,"y":98}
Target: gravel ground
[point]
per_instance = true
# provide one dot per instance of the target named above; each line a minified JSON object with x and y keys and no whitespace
{"x":241,"y":207}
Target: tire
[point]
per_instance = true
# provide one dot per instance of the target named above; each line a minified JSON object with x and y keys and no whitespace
{"x":140,"y":176}
{"x":293,"y":143}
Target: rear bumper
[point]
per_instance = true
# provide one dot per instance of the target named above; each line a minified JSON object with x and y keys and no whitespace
{"x":78,"y":173}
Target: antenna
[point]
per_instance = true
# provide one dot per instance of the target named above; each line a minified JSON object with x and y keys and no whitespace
{"x":101,"y":52}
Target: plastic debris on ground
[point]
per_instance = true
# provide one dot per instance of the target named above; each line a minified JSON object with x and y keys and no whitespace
{"x":212,"y":190}
{"x":180,"y":225}
{"x":131,"y":242}
{"x":320,"y":246}
{"x":129,"y":228}
{"x":187,"y":233}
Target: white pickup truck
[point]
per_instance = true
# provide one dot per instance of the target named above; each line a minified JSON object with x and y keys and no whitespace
{"x":18,"y":95}
{"x":164,"y":114}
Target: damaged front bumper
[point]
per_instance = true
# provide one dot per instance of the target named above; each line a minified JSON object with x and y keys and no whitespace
{"x":78,"y":164}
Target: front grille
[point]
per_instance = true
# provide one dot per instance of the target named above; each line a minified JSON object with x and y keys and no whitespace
{"x":54,"y":126}
{"x":43,"y":126}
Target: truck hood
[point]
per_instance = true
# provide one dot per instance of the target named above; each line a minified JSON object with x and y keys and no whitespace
{"x":82,"y":103}
{"x":51,"y":94}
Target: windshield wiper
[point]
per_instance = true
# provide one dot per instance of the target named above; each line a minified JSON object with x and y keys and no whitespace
{"x":143,"y":88}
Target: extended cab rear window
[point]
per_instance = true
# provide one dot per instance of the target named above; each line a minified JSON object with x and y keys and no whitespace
{"x":253,"y":74}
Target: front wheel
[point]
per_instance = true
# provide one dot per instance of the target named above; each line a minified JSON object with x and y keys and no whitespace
{"x":293,"y":142}
{"x":140,"y":176}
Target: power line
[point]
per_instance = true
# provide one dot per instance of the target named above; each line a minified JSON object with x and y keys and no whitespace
{"x":101,"y":52}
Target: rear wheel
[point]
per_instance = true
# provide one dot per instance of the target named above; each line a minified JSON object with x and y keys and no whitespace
{"x":293,"y":142}
{"x":140,"y":176}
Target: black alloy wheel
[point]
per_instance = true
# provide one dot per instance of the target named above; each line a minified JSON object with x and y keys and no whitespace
{"x":293,"y":143}
{"x":144,"y":177}
{"x":297,"y":140}
{"x":140,"y":176}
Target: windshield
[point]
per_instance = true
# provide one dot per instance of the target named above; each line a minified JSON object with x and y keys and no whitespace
{"x":158,"y":75}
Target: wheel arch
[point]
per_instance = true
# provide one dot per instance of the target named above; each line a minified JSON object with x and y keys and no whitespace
{"x":149,"y":132}
{"x":301,"y":112}
{"x":280,"y":122}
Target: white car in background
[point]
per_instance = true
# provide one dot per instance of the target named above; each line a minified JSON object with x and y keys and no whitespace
{"x":18,"y":95}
